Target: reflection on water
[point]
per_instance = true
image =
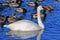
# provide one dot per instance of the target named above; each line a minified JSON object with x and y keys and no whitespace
{"x":22,"y":34}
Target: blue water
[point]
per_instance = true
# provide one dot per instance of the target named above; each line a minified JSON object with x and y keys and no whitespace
{"x":52,"y":22}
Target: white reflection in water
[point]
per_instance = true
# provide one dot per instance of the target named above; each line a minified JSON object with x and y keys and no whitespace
{"x":23,"y":34}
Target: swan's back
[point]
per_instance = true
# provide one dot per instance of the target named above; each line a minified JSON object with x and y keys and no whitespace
{"x":24,"y":25}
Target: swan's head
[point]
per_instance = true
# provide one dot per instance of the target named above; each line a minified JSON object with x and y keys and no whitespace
{"x":39,"y":8}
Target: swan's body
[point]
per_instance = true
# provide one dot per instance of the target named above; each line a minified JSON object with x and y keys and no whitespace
{"x":24,"y":25}
{"x":26,"y":29}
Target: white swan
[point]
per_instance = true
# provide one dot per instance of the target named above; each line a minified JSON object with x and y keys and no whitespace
{"x":26,"y":29}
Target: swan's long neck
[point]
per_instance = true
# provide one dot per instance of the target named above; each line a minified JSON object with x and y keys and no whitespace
{"x":39,"y":17}
{"x":39,"y":22}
